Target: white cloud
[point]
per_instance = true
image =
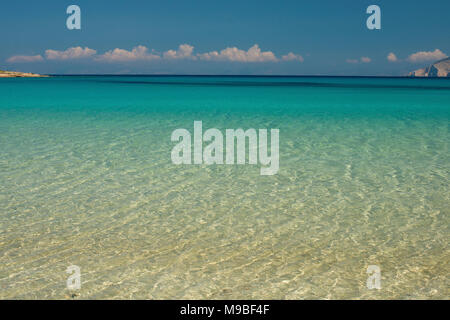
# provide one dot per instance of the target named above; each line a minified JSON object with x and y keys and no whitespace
{"x":184,"y":52}
{"x":292,"y":57}
{"x":19,"y":59}
{"x":70,"y":53}
{"x":392,"y":57}
{"x":427,"y":56}
{"x":254,"y":54}
{"x":137,"y":53}
{"x":360,"y":60}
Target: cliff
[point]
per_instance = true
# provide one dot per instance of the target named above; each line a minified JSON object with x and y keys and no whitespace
{"x":437,"y":69}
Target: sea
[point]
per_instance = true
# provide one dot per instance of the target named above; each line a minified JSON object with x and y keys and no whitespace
{"x":87,"y":180}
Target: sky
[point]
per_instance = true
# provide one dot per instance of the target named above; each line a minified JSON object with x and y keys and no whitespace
{"x":326,"y":37}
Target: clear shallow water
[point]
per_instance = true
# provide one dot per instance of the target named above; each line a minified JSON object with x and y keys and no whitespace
{"x":86,"y":178}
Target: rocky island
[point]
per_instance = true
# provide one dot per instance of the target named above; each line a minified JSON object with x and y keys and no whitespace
{"x":15,"y":74}
{"x":437,"y":69}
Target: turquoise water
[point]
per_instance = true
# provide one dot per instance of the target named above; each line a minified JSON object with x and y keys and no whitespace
{"x":86,"y":179}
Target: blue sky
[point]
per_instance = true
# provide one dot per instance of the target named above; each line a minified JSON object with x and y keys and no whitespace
{"x":286,"y":37}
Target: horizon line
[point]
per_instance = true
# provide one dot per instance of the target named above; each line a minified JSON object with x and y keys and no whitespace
{"x":231,"y":75}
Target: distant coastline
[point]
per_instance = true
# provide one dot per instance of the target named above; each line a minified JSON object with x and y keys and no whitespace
{"x":15,"y":74}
